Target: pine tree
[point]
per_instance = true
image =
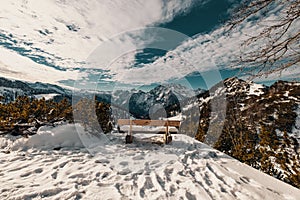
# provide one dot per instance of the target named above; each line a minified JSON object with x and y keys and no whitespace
{"x":268,"y":145}
{"x":288,"y":159}
{"x":84,"y":113}
{"x":25,"y":112}
{"x":103,"y":113}
{"x":200,"y":136}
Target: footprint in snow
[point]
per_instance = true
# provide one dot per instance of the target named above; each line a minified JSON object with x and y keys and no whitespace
{"x":76,"y":176}
{"x":139,"y":157}
{"x":123,"y":163}
{"x":102,"y":161}
{"x":54,"y":175}
{"x":124,"y":172}
{"x":105,"y":175}
{"x":154,"y":162}
{"x":38,"y":170}
{"x":25,"y":174}
{"x":245,"y":179}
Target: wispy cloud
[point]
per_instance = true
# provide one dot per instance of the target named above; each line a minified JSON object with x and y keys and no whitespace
{"x":64,"y":33}
{"x":14,"y":66}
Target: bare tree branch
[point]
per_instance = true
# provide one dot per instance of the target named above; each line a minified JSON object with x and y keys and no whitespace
{"x":276,"y":46}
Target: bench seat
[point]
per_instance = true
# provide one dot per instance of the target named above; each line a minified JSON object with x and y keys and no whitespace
{"x":153,"y":126}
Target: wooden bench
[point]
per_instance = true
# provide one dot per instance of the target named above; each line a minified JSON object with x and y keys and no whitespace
{"x":143,"y":122}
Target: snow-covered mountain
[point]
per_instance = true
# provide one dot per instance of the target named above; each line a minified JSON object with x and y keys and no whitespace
{"x":253,"y":123}
{"x":162,"y":98}
{"x":136,"y":102}
{"x":54,"y":164}
{"x":271,"y":105}
{"x":11,"y":89}
{"x":255,"y":103}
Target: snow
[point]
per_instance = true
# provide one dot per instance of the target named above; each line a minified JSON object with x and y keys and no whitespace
{"x":46,"y":96}
{"x":3,"y":89}
{"x":50,"y":137}
{"x":286,"y":94}
{"x":189,"y":106}
{"x":296,"y":128}
{"x":148,"y":129}
{"x":184,"y":169}
{"x":179,"y":117}
{"x":256,"y":89}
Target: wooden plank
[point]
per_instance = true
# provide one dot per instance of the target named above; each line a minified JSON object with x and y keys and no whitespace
{"x":145,"y":122}
{"x":123,"y":122}
{"x":174,"y":123}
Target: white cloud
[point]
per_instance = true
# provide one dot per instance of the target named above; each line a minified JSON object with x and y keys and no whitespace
{"x":42,"y":29}
{"x":45,"y":24}
{"x":14,"y":66}
{"x":203,"y":53}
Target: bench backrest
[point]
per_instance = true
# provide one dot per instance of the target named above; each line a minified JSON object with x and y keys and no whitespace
{"x":146,"y":122}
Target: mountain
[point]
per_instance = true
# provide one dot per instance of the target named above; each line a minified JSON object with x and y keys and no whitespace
{"x":161,"y":101}
{"x":255,"y":124}
{"x":134,"y":102}
{"x":10,"y":89}
{"x":274,"y":106}
{"x":57,"y":163}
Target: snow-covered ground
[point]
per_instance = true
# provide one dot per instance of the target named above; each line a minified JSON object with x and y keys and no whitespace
{"x":46,"y":96}
{"x":185,"y":169}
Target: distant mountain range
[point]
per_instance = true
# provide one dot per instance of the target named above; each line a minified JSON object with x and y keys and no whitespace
{"x":161,"y":101}
{"x":137,"y":102}
{"x":164,"y":100}
{"x":250,"y":101}
{"x":11,"y":89}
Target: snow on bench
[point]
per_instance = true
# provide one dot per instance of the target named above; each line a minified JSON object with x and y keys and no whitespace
{"x":144,"y":122}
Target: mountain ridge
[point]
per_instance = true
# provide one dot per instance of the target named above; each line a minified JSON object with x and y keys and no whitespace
{"x":11,"y":89}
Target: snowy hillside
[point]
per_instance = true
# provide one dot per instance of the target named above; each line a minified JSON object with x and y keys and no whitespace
{"x":185,"y":169}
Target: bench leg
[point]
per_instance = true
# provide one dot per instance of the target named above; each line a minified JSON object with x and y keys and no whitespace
{"x":128,"y":139}
{"x":167,"y":136}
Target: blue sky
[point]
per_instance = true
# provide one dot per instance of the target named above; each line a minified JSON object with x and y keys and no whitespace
{"x":201,"y":18}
